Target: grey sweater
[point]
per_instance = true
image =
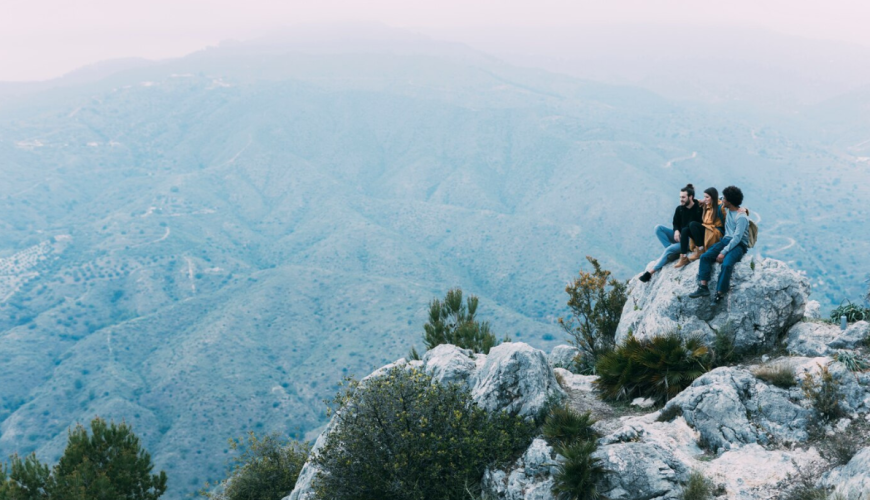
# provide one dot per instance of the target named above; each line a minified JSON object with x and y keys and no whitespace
{"x":736,"y":224}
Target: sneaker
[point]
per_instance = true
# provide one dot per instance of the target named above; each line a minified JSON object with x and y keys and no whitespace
{"x":684,"y":261}
{"x":645,"y":277}
{"x":696,"y":255}
{"x":717,"y":298}
{"x":702,"y":291}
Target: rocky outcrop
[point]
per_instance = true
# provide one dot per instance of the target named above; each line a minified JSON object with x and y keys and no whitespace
{"x":815,"y":338}
{"x":765,"y":300}
{"x":515,"y":377}
{"x":562,"y":356}
{"x":529,"y":478}
{"x":729,"y":407}
{"x":851,"y":480}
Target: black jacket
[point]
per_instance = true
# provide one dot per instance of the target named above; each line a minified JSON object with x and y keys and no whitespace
{"x":683,"y":216}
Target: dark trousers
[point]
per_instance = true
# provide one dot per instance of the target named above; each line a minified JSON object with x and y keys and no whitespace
{"x":696,"y":231}
{"x":731,"y":258}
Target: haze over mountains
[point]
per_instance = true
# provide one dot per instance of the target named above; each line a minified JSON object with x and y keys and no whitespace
{"x":205,"y":246}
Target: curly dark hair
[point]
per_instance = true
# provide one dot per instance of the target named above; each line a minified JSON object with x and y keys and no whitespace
{"x":734,"y":195}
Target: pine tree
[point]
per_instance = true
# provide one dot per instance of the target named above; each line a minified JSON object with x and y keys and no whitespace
{"x":26,"y":479}
{"x":452,"y":322}
{"x":108,"y":464}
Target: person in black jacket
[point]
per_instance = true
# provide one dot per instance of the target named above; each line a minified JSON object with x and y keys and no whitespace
{"x":687,"y":212}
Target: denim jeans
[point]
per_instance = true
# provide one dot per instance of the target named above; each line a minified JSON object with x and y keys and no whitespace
{"x":672,"y":246}
{"x":731,"y":258}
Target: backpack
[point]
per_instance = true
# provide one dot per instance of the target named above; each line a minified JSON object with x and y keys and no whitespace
{"x":752,"y":229}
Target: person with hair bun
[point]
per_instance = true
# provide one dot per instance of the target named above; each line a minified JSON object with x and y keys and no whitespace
{"x":687,"y":211}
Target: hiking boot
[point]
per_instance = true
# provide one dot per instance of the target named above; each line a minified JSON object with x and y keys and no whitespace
{"x":717,"y":298}
{"x":645,"y":277}
{"x":702,"y":291}
{"x":684,"y":261}
{"x":696,"y":255}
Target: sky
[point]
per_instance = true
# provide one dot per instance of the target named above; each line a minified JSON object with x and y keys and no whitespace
{"x":43,"y":39}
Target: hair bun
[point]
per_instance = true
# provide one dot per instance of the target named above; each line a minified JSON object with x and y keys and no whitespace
{"x":689,"y":185}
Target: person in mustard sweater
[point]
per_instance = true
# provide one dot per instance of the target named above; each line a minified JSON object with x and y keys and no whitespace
{"x":705,"y":233}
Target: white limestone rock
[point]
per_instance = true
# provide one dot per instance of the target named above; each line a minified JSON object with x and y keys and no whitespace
{"x":529,"y":478}
{"x":813,"y":310}
{"x":730,"y":407}
{"x":515,"y":377}
{"x":762,"y":305}
{"x":822,"y":339}
{"x":562,"y":356}
{"x":447,"y":363}
{"x":851,"y":480}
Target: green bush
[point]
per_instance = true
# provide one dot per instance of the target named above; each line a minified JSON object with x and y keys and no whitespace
{"x":852,"y":312}
{"x":779,"y":374}
{"x":824,"y":394}
{"x":853,"y":362}
{"x":571,"y":434}
{"x":595,"y":301}
{"x":564,"y":426}
{"x":107,"y":463}
{"x":452,"y":322}
{"x":724,"y":350}
{"x":659,"y":367}
{"x":698,"y":487}
{"x":576,"y":476}
{"x":265,"y":468}
{"x":401,"y":436}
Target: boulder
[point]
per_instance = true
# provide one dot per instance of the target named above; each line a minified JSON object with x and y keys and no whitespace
{"x":851,"y":480}
{"x":821,"y":339}
{"x":854,"y":387}
{"x":529,"y":478}
{"x":813,"y":310}
{"x":515,"y":377}
{"x":448,"y":363}
{"x":640,"y":471}
{"x":730,"y":407}
{"x":562,"y":356}
{"x":765,"y":300}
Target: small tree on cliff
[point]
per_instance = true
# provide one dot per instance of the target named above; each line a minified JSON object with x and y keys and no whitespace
{"x":595,"y":300}
{"x":452,"y":322}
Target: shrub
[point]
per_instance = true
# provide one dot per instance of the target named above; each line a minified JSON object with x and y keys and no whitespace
{"x":852,"y":312}
{"x":564,"y":426}
{"x":452,"y":322}
{"x":595,"y":301}
{"x":659,"y":367}
{"x":852,"y":361}
{"x":698,"y":487}
{"x":576,"y":476}
{"x":724,"y":351}
{"x":107,"y":463}
{"x":401,"y":436}
{"x":266,"y":468}
{"x":778,"y":374}
{"x":824,"y":394}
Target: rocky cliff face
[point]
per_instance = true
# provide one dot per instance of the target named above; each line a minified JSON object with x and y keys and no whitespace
{"x":751,"y":438}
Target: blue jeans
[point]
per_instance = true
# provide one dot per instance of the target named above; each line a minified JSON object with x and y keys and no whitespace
{"x":731,"y":258}
{"x":672,"y":247}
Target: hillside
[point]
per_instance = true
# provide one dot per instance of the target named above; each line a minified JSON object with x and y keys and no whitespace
{"x":225,"y":235}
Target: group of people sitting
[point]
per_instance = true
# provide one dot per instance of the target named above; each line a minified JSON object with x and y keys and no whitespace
{"x":711,"y":230}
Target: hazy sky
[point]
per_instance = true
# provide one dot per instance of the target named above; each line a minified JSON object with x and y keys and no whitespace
{"x":41,"y":39}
